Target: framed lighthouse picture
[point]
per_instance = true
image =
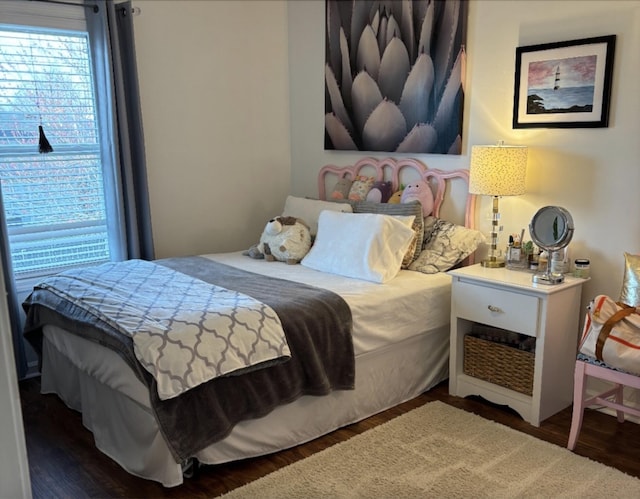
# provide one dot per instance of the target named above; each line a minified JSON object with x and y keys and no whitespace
{"x":564,"y":84}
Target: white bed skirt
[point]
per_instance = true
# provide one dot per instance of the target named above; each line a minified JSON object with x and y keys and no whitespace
{"x":116,"y":408}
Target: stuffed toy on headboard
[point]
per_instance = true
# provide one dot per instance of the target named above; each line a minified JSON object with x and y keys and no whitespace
{"x":341,"y":189}
{"x":419,"y":191}
{"x":380,"y":192}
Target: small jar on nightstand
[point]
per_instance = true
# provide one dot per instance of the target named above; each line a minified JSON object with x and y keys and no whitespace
{"x":581,"y":268}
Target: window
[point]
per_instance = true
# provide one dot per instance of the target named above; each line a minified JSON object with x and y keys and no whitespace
{"x":54,"y":203}
{"x":68,"y":66}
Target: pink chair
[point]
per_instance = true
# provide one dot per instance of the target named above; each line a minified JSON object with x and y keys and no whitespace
{"x":613,"y":398}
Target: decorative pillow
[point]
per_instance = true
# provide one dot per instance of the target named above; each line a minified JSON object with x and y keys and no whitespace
{"x":364,"y":246}
{"x":445,"y":245}
{"x":408,"y":209}
{"x":360,"y":187}
{"x":341,"y":189}
{"x":630,"y":294}
{"x":309,"y":210}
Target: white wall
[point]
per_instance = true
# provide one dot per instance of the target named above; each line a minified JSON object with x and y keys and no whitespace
{"x":594,"y":173}
{"x":232,"y":125}
{"x":215,"y":102}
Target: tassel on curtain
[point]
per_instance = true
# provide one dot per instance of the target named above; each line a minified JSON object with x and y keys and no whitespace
{"x":43,"y":143}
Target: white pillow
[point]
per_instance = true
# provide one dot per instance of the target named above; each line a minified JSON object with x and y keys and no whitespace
{"x":309,"y":210}
{"x":364,"y":246}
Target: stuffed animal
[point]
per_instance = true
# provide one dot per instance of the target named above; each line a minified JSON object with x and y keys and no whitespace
{"x":360,"y":187}
{"x":396,"y":196}
{"x":284,"y":239}
{"x":380,"y":192}
{"x":341,"y":189}
{"x":419,"y":191}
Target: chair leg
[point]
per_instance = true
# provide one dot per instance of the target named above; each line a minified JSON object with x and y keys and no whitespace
{"x":579,"y":386}
{"x":619,"y":400}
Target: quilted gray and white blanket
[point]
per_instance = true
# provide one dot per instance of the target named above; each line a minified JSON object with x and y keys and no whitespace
{"x":185,"y":331}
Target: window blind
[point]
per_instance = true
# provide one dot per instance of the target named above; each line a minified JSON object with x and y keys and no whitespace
{"x":54,"y":203}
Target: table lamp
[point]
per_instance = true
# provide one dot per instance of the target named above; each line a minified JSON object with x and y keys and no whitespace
{"x":497,"y":171}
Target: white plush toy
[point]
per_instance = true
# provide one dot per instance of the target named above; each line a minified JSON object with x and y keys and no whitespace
{"x":284,"y":239}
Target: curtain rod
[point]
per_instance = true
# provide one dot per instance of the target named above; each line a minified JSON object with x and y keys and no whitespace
{"x":134,"y":10}
{"x":61,"y":2}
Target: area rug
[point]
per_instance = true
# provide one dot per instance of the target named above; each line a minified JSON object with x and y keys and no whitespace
{"x":439,"y":451}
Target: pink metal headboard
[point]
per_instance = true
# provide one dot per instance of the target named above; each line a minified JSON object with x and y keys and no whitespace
{"x":393,"y":167}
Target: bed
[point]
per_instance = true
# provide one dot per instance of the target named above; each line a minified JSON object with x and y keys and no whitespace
{"x":399,"y":332}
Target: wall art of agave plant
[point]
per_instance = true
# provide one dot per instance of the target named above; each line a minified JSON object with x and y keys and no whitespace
{"x":394,"y":75}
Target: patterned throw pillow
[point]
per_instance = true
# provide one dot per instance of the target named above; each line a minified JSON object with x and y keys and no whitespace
{"x":445,"y":244}
{"x":360,"y":187}
{"x":408,"y":209}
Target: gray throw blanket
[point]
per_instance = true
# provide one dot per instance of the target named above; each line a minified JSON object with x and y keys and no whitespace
{"x":317,"y":324}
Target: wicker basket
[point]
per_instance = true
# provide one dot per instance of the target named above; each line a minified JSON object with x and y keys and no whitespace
{"x":499,"y":364}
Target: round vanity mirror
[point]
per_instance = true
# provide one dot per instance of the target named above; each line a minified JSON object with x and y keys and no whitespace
{"x":551,"y":228}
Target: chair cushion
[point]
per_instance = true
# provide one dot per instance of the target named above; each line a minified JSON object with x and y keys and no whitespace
{"x":592,"y":360}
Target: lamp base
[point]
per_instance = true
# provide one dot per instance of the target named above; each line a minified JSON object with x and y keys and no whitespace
{"x":492,"y":263}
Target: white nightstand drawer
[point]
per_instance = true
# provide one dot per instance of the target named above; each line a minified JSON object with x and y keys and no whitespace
{"x":494,"y":307}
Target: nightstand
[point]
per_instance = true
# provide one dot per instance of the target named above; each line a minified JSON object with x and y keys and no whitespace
{"x":506,"y":302}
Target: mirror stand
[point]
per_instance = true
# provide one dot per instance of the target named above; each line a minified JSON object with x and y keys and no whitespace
{"x":551,"y":229}
{"x":548,"y":277}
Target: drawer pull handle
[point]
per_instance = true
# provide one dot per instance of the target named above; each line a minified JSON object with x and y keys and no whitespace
{"x":493,"y":308}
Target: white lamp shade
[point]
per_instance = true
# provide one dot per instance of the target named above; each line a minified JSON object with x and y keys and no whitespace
{"x":498,"y":170}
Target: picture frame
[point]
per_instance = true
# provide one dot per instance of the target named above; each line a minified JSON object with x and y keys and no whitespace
{"x":564,"y":84}
{"x":394,"y":76}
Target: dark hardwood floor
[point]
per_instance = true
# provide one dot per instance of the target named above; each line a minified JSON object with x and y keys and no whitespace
{"x":64,"y":462}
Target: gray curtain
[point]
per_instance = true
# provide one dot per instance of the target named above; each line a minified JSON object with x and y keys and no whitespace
{"x":111,"y":34}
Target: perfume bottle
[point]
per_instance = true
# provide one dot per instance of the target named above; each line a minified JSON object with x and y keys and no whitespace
{"x":560,"y":261}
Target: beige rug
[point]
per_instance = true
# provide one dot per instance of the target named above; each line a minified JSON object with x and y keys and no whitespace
{"x":439,"y":451}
